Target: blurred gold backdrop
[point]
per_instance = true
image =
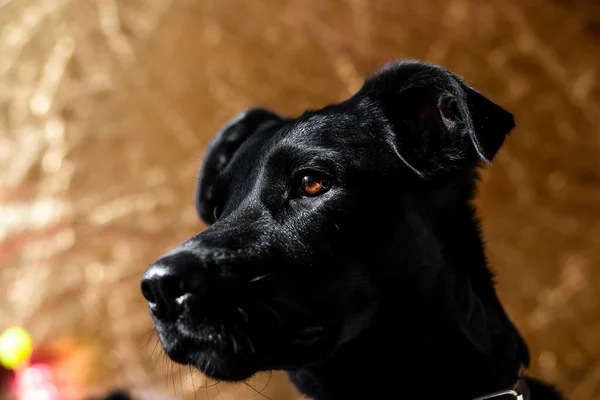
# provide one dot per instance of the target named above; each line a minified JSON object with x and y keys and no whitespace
{"x":106,"y":107}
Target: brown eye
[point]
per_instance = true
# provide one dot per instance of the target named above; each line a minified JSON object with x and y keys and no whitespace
{"x":312,"y":185}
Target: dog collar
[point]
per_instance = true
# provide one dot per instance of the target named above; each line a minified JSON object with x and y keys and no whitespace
{"x":518,"y":391}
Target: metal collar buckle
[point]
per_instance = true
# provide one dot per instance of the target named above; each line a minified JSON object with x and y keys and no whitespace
{"x":510,"y":392}
{"x":519,"y":391}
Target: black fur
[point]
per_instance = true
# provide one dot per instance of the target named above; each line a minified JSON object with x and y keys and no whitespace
{"x":376,"y":288}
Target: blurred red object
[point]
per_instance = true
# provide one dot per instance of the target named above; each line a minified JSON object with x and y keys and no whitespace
{"x":35,"y":382}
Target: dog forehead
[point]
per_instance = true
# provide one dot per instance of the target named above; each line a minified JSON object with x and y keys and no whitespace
{"x":333,"y":125}
{"x":317,"y":127}
{"x":337,"y":130}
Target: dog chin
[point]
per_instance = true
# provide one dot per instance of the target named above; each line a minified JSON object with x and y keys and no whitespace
{"x":211,"y":359}
{"x":218,"y":359}
{"x":223,"y":368}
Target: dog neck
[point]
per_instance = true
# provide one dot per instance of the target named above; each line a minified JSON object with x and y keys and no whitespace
{"x":382,"y":364}
{"x":463,"y":347}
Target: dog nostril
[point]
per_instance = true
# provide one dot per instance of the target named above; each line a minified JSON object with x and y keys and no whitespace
{"x":147,"y":292}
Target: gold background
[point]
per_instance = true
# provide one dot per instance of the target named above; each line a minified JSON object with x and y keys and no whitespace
{"x":106,"y":107}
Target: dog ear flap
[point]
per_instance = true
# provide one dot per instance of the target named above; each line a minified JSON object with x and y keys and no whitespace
{"x":468,"y":114}
{"x":488,"y":124}
{"x":221,"y":150}
{"x":440,"y":122}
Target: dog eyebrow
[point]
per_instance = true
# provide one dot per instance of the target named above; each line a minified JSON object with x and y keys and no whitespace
{"x":307,"y":157}
{"x":313,"y":153}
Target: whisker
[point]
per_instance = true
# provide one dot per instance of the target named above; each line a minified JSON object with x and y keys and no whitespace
{"x":164,"y":367}
{"x":265,"y":305}
{"x":235,"y":345}
{"x":237,"y":328}
{"x":152,"y":332}
{"x":253,"y":388}
{"x":206,"y":387}
{"x":269,"y":381}
{"x":193,"y":384}
{"x":207,"y":367}
{"x":241,"y":311}
{"x":218,"y":391}
{"x":154,"y":349}
{"x":259,"y":278}
{"x":180,"y":380}
{"x":173,"y":376}
{"x":252,"y":350}
{"x":215,"y":384}
{"x":220,"y":336}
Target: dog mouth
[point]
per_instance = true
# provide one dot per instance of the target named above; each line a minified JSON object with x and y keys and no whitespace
{"x":230,"y":352}
{"x":220,"y":352}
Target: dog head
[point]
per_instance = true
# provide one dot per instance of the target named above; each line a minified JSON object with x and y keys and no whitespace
{"x":319,"y":224}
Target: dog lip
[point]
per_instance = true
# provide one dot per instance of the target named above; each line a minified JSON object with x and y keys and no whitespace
{"x":193,"y":344}
{"x":210,"y":338}
{"x":200,"y":337}
{"x":183,"y":298}
{"x":206,"y":340}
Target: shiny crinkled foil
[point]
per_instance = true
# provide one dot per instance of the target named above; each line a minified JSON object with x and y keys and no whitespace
{"x":106,"y":107}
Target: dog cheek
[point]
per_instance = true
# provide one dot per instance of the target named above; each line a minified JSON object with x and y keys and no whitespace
{"x":359,"y":323}
{"x":358,"y":312}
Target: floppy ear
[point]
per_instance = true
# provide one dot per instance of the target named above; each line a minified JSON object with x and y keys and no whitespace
{"x":221,"y":150}
{"x":450,"y":125}
{"x":487,"y":123}
{"x":440,"y":122}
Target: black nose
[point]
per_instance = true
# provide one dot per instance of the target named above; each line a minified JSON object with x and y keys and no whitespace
{"x":170,"y":281}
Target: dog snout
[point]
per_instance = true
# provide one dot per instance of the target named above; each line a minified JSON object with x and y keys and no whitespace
{"x":170,"y":281}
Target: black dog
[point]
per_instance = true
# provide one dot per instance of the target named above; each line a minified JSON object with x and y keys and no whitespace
{"x":344,"y":249}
